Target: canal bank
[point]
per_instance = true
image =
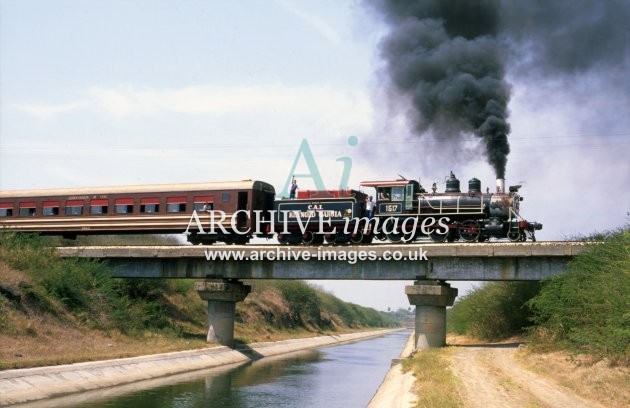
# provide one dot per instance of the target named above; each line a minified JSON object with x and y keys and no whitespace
{"x":397,"y":387}
{"x":23,"y":385}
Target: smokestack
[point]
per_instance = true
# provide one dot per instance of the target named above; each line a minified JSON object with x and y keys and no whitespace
{"x":500,"y":185}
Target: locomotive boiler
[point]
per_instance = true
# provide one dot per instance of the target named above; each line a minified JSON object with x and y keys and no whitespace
{"x":472,"y":216}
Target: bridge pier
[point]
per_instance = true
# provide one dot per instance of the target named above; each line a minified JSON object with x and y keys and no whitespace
{"x":430,"y":298}
{"x":221,"y":296}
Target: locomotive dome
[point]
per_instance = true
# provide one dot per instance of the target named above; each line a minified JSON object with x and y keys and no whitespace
{"x":452,"y":184}
{"x":474,"y":185}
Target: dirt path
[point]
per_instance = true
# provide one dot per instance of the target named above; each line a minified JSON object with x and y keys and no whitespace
{"x":493,"y":378}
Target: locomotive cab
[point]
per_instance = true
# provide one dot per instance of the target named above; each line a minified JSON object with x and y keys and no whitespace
{"x":395,"y":197}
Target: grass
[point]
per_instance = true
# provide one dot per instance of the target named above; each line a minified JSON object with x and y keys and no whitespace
{"x":71,"y":310}
{"x":436,"y":386}
{"x":34,"y":335}
{"x":44,"y":342}
{"x":596,"y":381}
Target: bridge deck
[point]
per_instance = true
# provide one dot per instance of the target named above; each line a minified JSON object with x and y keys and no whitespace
{"x":455,"y":261}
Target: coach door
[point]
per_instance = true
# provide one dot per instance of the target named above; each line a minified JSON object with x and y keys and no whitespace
{"x":241,"y":219}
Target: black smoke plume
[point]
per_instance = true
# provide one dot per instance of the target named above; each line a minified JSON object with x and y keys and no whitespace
{"x":566,"y":38}
{"x":449,"y":57}
{"x":444,"y":57}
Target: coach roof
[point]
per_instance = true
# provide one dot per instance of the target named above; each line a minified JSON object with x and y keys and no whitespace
{"x":145,"y":188}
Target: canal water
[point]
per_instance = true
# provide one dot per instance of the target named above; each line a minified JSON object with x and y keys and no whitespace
{"x":340,"y":376}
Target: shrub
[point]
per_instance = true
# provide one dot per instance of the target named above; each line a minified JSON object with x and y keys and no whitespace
{"x":303,"y":302}
{"x":493,"y":312}
{"x":587,"y":309}
{"x":85,"y":287}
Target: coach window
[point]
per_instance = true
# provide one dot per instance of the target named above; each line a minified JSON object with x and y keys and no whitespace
{"x":149,"y":205}
{"x":175,"y":204}
{"x":50,"y":208}
{"x":201,"y":201}
{"x":124,"y":205}
{"x":6,"y":210}
{"x":98,"y":207}
{"x":27,"y":209}
{"x":208,"y":206}
{"x":74,"y":207}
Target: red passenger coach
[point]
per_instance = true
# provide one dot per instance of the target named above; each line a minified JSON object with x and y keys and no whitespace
{"x":150,"y":209}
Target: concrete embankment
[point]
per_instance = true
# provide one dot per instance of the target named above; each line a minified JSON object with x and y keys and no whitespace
{"x":32,"y":384}
{"x":396,"y":390}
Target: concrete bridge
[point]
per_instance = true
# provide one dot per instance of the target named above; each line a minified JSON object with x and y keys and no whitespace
{"x":221,"y":267}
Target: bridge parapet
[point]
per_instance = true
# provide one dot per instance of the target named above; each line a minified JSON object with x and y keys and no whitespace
{"x":481,"y":261}
{"x":520,"y":249}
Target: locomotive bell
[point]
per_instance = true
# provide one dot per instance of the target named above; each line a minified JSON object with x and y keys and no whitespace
{"x":452,"y":184}
{"x":474,"y":185}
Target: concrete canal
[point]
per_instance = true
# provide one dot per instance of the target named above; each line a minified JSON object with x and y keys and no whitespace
{"x":346,"y":375}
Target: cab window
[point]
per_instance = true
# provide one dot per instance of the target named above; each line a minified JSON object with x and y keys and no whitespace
{"x":409,"y":196}
{"x":384,"y":193}
{"x":398,"y":193}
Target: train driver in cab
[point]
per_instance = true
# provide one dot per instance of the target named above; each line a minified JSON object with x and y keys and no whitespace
{"x":383,"y":194}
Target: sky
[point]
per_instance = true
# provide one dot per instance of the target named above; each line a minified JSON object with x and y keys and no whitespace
{"x":99,"y":93}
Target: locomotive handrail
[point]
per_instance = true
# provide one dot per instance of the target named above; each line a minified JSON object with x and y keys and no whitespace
{"x":458,"y":209}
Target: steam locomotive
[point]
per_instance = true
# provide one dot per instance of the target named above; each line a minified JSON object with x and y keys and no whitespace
{"x":235,"y":212}
{"x":405,"y":212}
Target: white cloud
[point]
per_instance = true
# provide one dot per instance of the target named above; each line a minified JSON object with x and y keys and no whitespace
{"x":47,"y":111}
{"x":124,"y":101}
